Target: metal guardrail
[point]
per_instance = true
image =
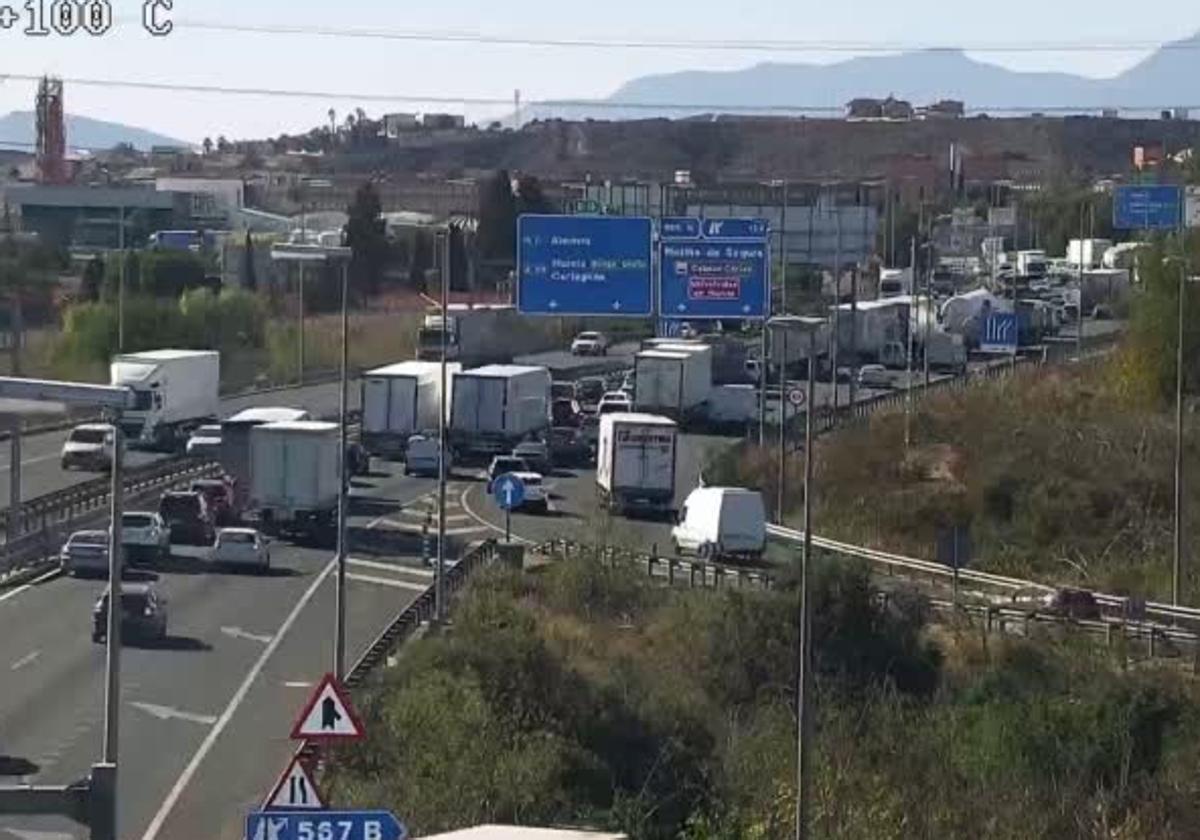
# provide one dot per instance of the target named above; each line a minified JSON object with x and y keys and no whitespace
{"x":42,"y":533}
{"x":927,"y":569}
{"x":671,"y":569}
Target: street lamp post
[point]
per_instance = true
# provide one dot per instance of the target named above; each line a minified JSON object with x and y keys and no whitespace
{"x":1177,"y":554}
{"x":304,"y":253}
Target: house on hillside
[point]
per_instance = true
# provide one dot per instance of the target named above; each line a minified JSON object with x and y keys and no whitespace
{"x":945,"y":109}
{"x":879,"y":109}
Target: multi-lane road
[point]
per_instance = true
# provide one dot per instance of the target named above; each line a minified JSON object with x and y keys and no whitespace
{"x":41,"y":472}
{"x":205,"y":715}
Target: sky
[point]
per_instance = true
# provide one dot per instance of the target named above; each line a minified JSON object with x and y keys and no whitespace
{"x":390,"y":68}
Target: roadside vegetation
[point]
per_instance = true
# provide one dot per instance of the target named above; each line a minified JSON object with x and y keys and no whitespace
{"x":583,"y":695}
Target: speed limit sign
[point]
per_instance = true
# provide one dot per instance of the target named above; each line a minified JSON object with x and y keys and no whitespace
{"x":796,"y":397}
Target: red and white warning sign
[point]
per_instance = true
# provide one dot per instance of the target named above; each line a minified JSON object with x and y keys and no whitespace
{"x":328,"y":714}
{"x":295,"y":790}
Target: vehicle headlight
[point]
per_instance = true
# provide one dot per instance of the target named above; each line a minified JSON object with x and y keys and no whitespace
{"x":147,"y":612}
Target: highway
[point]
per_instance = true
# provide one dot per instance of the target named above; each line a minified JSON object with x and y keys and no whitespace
{"x":205,"y":716}
{"x":41,"y":472}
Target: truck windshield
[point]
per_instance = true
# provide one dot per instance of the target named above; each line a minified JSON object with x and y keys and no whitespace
{"x":88,"y":436}
{"x":142,"y":400}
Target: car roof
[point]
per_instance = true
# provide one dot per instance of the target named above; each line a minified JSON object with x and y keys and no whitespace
{"x":91,"y":532}
{"x":243,"y":531}
{"x":92,"y":427}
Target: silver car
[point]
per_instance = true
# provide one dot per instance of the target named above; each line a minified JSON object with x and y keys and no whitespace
{"x":243,"y":547}
{"x":86,"y":553}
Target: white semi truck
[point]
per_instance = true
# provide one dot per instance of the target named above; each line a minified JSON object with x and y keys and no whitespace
{"x":174,"y":392}
{"x":495,"y":407}
{"x":295,"y":477}
{"x":399,"y":401}
{"x":635,"y":463}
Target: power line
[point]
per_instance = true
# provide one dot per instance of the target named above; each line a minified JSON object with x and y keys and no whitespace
{"x":589,"y":104}
{"x":784,"y":46}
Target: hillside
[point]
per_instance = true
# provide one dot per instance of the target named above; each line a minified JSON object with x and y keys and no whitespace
{"x":1163,"y":79}
{"x":17,"y":132}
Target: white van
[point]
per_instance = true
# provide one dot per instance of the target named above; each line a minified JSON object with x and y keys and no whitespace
{"x":721,"y":523}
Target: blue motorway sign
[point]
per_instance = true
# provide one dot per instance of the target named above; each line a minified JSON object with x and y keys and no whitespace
{"x":324,"y":825}
{"x":723,"y":272}
{"x":508,"y":491}
{"x":1148,"y":207}
{"x":584,"y":265}
{"x":1000,"y":333}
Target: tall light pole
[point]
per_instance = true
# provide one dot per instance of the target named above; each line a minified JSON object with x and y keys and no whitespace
{"x":1177,"y":555}
{"x":339,"y":656}
{"x":908,"y":357}
{"x":121,"y":280}
{"x":440,"y":570}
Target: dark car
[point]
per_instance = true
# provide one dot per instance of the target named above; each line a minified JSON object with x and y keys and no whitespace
{"x":1079,"y":604}
{"x":590,"y":390}
{"x":143,"y":613}
{"x":358,"y":460}
{"x":218,"y":493}
{"x":189,"y":518}
{"x":569,"y":446}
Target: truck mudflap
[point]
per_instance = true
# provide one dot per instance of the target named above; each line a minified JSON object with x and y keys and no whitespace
{"x":636,"y":502}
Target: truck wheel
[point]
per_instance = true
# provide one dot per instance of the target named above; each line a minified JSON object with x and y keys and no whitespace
{"x":705,"y":552}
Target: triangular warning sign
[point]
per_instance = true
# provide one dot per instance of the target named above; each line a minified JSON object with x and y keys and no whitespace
{"x":295,"y":790}
{"x":328,"y":714}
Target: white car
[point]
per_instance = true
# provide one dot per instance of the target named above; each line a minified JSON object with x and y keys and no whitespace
{"x":589,"y":344}
{"x":205,"y":442}
{"x":718,"y":523}
{"x":242,"y":547}
{"x":874,"y":376}
{"x":144,"y":536}
{"x":614,"y":402}
{"x":535,"y":491}
{"x":89,"y":447}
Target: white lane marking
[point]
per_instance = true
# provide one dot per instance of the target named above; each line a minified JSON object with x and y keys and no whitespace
{"x":390,"y":567}
{"x":50,"y":575}
{"x":488,"y":524}
{"x":25,"y":660}
{"x":185,"y":778}
{"x":5,"y":467}
{"x":398,"y":584}
{"x":169,"y":713}
{"x":239,"y":633}
{"x":297,"y":684}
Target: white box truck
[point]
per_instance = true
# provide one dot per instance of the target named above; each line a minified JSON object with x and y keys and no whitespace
{"x":294,"y":477}
{"x":399,"y":401}
{"x":174,"y":392}
{"x":495,"y":407}
{"x":235,"y":445}
{"x":675,"y":383}
{"x":635,"y":463}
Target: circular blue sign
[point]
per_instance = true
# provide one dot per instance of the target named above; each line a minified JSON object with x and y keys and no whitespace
{"x":508,"y":491}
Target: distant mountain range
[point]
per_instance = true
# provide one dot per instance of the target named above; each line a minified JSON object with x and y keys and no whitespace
{"x":18,"y":133}
{"x":1164,"y":79}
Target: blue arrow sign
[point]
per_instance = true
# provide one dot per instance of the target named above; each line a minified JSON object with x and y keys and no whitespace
{"x":509,"y":491}
{"x":584,"y":265}
{"x":755,"y":229}
{"x":1148,"y":207}
{"x":314,"y":825}
{"x":999,"y":333}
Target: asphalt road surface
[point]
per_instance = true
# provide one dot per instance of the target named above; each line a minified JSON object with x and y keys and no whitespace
{"x":205,"y":715}
{"x":41,"y":472}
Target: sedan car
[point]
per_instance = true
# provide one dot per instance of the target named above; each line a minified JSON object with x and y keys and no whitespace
{"x":242,"y":547}
{"x":535,"y":492}
{"x":86,"y":553}
{"x":874,"y":376}
{"x":143,"y":613}
{"x":503,"y":464}
{"x":614,"y":402}
{"x":589,"y":344}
